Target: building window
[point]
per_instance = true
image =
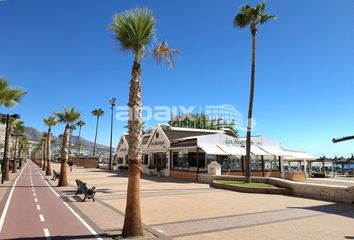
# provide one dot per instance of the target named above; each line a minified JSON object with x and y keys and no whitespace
{"x":230,"y":162}
{"x":271,"y":163}
{"x":187,"y":160}
{"x":158,"y":161}
{"x":120,"y":160}
{"x":256,"y":163}
{"x":180,"y":160}
{"x":145,"y":159}
{"x":210,"y":158}
{"x":275,"y":164}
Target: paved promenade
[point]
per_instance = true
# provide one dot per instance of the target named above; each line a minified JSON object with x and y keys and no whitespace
{"x":34,"y":211}
{"x":175,"y":209}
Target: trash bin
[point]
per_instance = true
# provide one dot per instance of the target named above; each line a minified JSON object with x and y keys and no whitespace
{"x":214,"y":168}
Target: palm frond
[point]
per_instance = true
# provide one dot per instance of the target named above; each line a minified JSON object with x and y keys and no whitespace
{"x":18,"y":127}
{"x":10,"y":97}
{"x":163,"y":53}
{"x":265,"y":18}
{"x":252,"y":16}
{"x":134,"y":29}
{"x":50,"y":121}
{"x":80,"y":123}
{"x":68,"y":116}
{"x":98,"y":112}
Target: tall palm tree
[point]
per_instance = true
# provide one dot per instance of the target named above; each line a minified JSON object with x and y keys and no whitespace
{"x":72,"y":129}
{"x":9,"y":97}
{"x":18,"y":130}
{"x":69,"y":118}
{"x":98,"y":113}
{"x":8,"y":143}
{"x":251,"y":16}
{"x":23,"y":147}
{"x":134,"y":30}
{"x":49,"y":122}
{"x":44,"y":150}
{"x":80,"y":124}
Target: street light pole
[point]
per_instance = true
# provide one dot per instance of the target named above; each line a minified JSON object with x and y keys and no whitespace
{"x":112,"y":102}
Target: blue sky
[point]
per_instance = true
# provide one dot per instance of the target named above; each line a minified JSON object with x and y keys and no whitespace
{"x":63,"y":53}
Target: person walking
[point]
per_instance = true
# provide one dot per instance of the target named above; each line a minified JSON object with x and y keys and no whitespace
{"x":71,"y":165}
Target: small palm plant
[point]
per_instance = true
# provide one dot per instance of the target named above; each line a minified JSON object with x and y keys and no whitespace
{"x":98,"y":113}
{"x":69,"y":117}
{"x":9,"y":97}
{"x":134,"y":30}
{"x":80,"y":124}
{"x":49,"y":122}
{"x":252,"y":17}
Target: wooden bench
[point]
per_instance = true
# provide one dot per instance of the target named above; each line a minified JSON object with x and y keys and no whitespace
{"x":55,"y":175}
{"x":82,"y":188}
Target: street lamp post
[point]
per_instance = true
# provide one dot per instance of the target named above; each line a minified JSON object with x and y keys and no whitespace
{"x":5,"y":164}
{"x":112,"y":102}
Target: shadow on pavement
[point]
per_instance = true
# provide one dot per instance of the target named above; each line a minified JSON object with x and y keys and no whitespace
{"x":341,"y":209}
{"x":64,"y":237}
{"x":121,"y":174}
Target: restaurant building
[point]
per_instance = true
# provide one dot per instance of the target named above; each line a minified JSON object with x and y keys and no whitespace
{"x":185,"y":152}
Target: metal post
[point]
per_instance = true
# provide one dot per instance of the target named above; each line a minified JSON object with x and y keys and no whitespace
{"x":113,"y":103}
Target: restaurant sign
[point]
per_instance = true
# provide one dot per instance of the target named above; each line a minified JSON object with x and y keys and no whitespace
{"x":158,"y":143}
{"x":232,"y":141}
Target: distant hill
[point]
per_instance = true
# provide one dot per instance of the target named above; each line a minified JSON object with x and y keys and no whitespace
{"x":35,"y":135}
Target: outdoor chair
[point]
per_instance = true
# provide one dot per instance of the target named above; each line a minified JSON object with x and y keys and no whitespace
{"x":55,"y":175}
{"x":83,"y":189}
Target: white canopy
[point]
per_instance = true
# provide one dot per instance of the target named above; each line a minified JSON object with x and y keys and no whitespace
{"x":257,"y":151}
{"x":233,"y":150}
{"x":212,"y":150}
{"x":277,"y":151}
{"x":300,"y":156}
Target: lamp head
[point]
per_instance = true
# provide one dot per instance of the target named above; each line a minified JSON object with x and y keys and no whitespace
{"x":112,"y":102}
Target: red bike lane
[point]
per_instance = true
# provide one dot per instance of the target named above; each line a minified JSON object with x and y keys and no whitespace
{"x":35,"y":211}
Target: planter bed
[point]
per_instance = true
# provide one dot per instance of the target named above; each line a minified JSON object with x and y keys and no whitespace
{"x":239,"y":186}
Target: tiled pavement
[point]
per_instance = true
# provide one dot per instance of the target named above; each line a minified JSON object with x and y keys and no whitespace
{"x":183,"y":210}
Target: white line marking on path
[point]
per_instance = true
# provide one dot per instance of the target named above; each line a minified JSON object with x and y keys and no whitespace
{"x":38,"y":207}
{"x":34,"y":194}
{"x":93,"y":232}
{"x":32,"y":189}
{"x":3,"y":215}
{"x":41,"y":217}
{"x":46,"y":233}
{"x":36,"y":200}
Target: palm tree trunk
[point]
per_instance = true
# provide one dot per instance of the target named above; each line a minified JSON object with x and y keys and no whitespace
{"x":20,"y":155}
{"x":44,"y":156}
{"x":14,"y":167}
{"x":250,"y":109}
{"x":7,"y":154}
{"x":64,"y":157}
{"x":132,"y":221}
{"x":94,"y":144}
{"x":79,"y":144}
{"x":49,"y":153}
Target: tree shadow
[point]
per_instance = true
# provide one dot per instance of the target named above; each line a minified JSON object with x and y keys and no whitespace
{"x":147,"y":177}
{"x":63,"y":237}
{"x":340,"y":209}
{"x":101,"y":190}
